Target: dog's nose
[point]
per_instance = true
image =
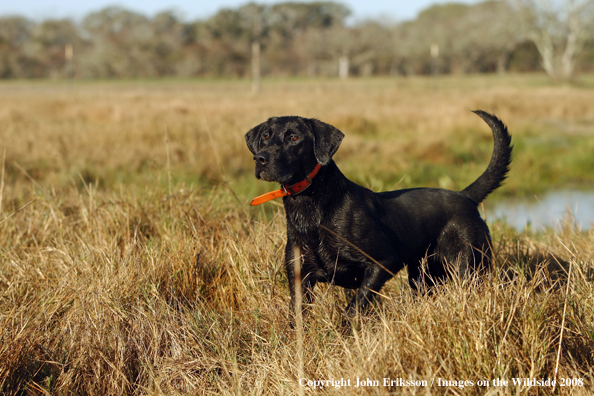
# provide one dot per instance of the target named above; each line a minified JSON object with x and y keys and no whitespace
{"x":262,"y":158}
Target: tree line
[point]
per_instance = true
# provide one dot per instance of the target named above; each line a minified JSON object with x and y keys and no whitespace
{"x":306,"y":39}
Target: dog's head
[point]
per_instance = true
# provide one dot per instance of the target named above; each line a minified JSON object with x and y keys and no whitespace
{"x":286,"y":149}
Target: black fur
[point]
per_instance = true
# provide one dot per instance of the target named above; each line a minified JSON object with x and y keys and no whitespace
{"x":358,"y":239}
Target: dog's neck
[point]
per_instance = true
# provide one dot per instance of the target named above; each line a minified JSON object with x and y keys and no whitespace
{"x":328,"y":184}
{"x":308,"y":210}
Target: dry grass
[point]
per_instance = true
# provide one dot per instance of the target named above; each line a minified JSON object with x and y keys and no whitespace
{"x":418,"y":132}
{"x":110,"y":283}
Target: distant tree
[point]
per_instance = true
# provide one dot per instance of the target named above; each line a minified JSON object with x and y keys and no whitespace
{"x":15,"y":31}
{"x":129,"y":44}
{"x":407,"y":48}
{"x":225,"y":43}
{"x":49,"y":40}
{"x":470,"y":38}
{"x":329,"y":45}
{"x":435,"y":26}
{"x":16,"y":58}
{"x":169,"y":35}
{"x":373,"y":47}
{"x":301,"y":38}
{"x":117,"y":37}
{"x":292,"y":25}
{"x":293,"y":19}
{"x":280,"y":30}
{"x":322,"y":37}
{"x":559,"y":29}
{"x":486,"y":35}
{"x":255,"y":19}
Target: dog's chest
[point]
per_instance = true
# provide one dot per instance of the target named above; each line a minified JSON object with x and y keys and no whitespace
{"x":303,"y":216}
{"x":329,"y":261}
{"x":304,"y":224}
{"x":320,"y":245}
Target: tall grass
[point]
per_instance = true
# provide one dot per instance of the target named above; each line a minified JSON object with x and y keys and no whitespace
{"x":399,"y":132}
{"x":114,"y":280}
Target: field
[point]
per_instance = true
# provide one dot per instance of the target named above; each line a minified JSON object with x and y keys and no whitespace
{"x":131,"y":262}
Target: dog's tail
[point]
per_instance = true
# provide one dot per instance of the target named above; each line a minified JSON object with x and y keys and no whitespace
{"x":498,"y":168}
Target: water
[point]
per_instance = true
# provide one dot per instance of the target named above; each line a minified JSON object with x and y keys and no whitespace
{"x":552,"y":209}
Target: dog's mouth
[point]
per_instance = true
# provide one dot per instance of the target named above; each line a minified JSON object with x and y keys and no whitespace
{"x":263,"y":174}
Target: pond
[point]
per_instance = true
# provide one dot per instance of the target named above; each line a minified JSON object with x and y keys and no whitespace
{"x":552,"y":209}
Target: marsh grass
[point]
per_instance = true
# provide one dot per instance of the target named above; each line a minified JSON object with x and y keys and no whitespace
{"x":120,"y":293}
{"x":399,"y":132}
{"x":114,"y":280}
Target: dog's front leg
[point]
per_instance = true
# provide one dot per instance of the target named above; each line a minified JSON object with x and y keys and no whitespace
{"x":373,"y":280}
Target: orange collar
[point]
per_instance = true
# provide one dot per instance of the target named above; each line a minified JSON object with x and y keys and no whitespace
{"x":287,"y":190}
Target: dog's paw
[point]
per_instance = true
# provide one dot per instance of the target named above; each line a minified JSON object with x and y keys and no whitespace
{"x":348,"y":320}
{"x":350,"y":312}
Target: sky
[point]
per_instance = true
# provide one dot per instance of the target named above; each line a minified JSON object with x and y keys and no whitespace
{"x":394,"y":10}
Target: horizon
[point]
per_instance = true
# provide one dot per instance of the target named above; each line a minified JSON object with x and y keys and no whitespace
{"x":188,"y":11}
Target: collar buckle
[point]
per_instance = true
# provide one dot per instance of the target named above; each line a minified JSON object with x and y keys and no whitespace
{"x":288,"y":189}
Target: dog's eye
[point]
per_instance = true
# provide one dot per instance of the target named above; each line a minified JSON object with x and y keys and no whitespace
{"x":266,"y":136}
{"x":294,"y":138}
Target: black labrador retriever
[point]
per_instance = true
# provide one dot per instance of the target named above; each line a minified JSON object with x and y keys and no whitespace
{"x":355,"y":238}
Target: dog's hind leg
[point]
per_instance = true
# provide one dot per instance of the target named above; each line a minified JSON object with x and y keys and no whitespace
{"x":425,"y":274}
{"x":469,"y":254}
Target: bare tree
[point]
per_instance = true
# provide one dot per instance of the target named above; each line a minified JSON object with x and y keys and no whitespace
{"x":559,"y":29}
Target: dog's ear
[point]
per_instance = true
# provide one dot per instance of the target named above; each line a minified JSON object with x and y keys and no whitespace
{"x":327,"y":139}
{"x":252,"y":138}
